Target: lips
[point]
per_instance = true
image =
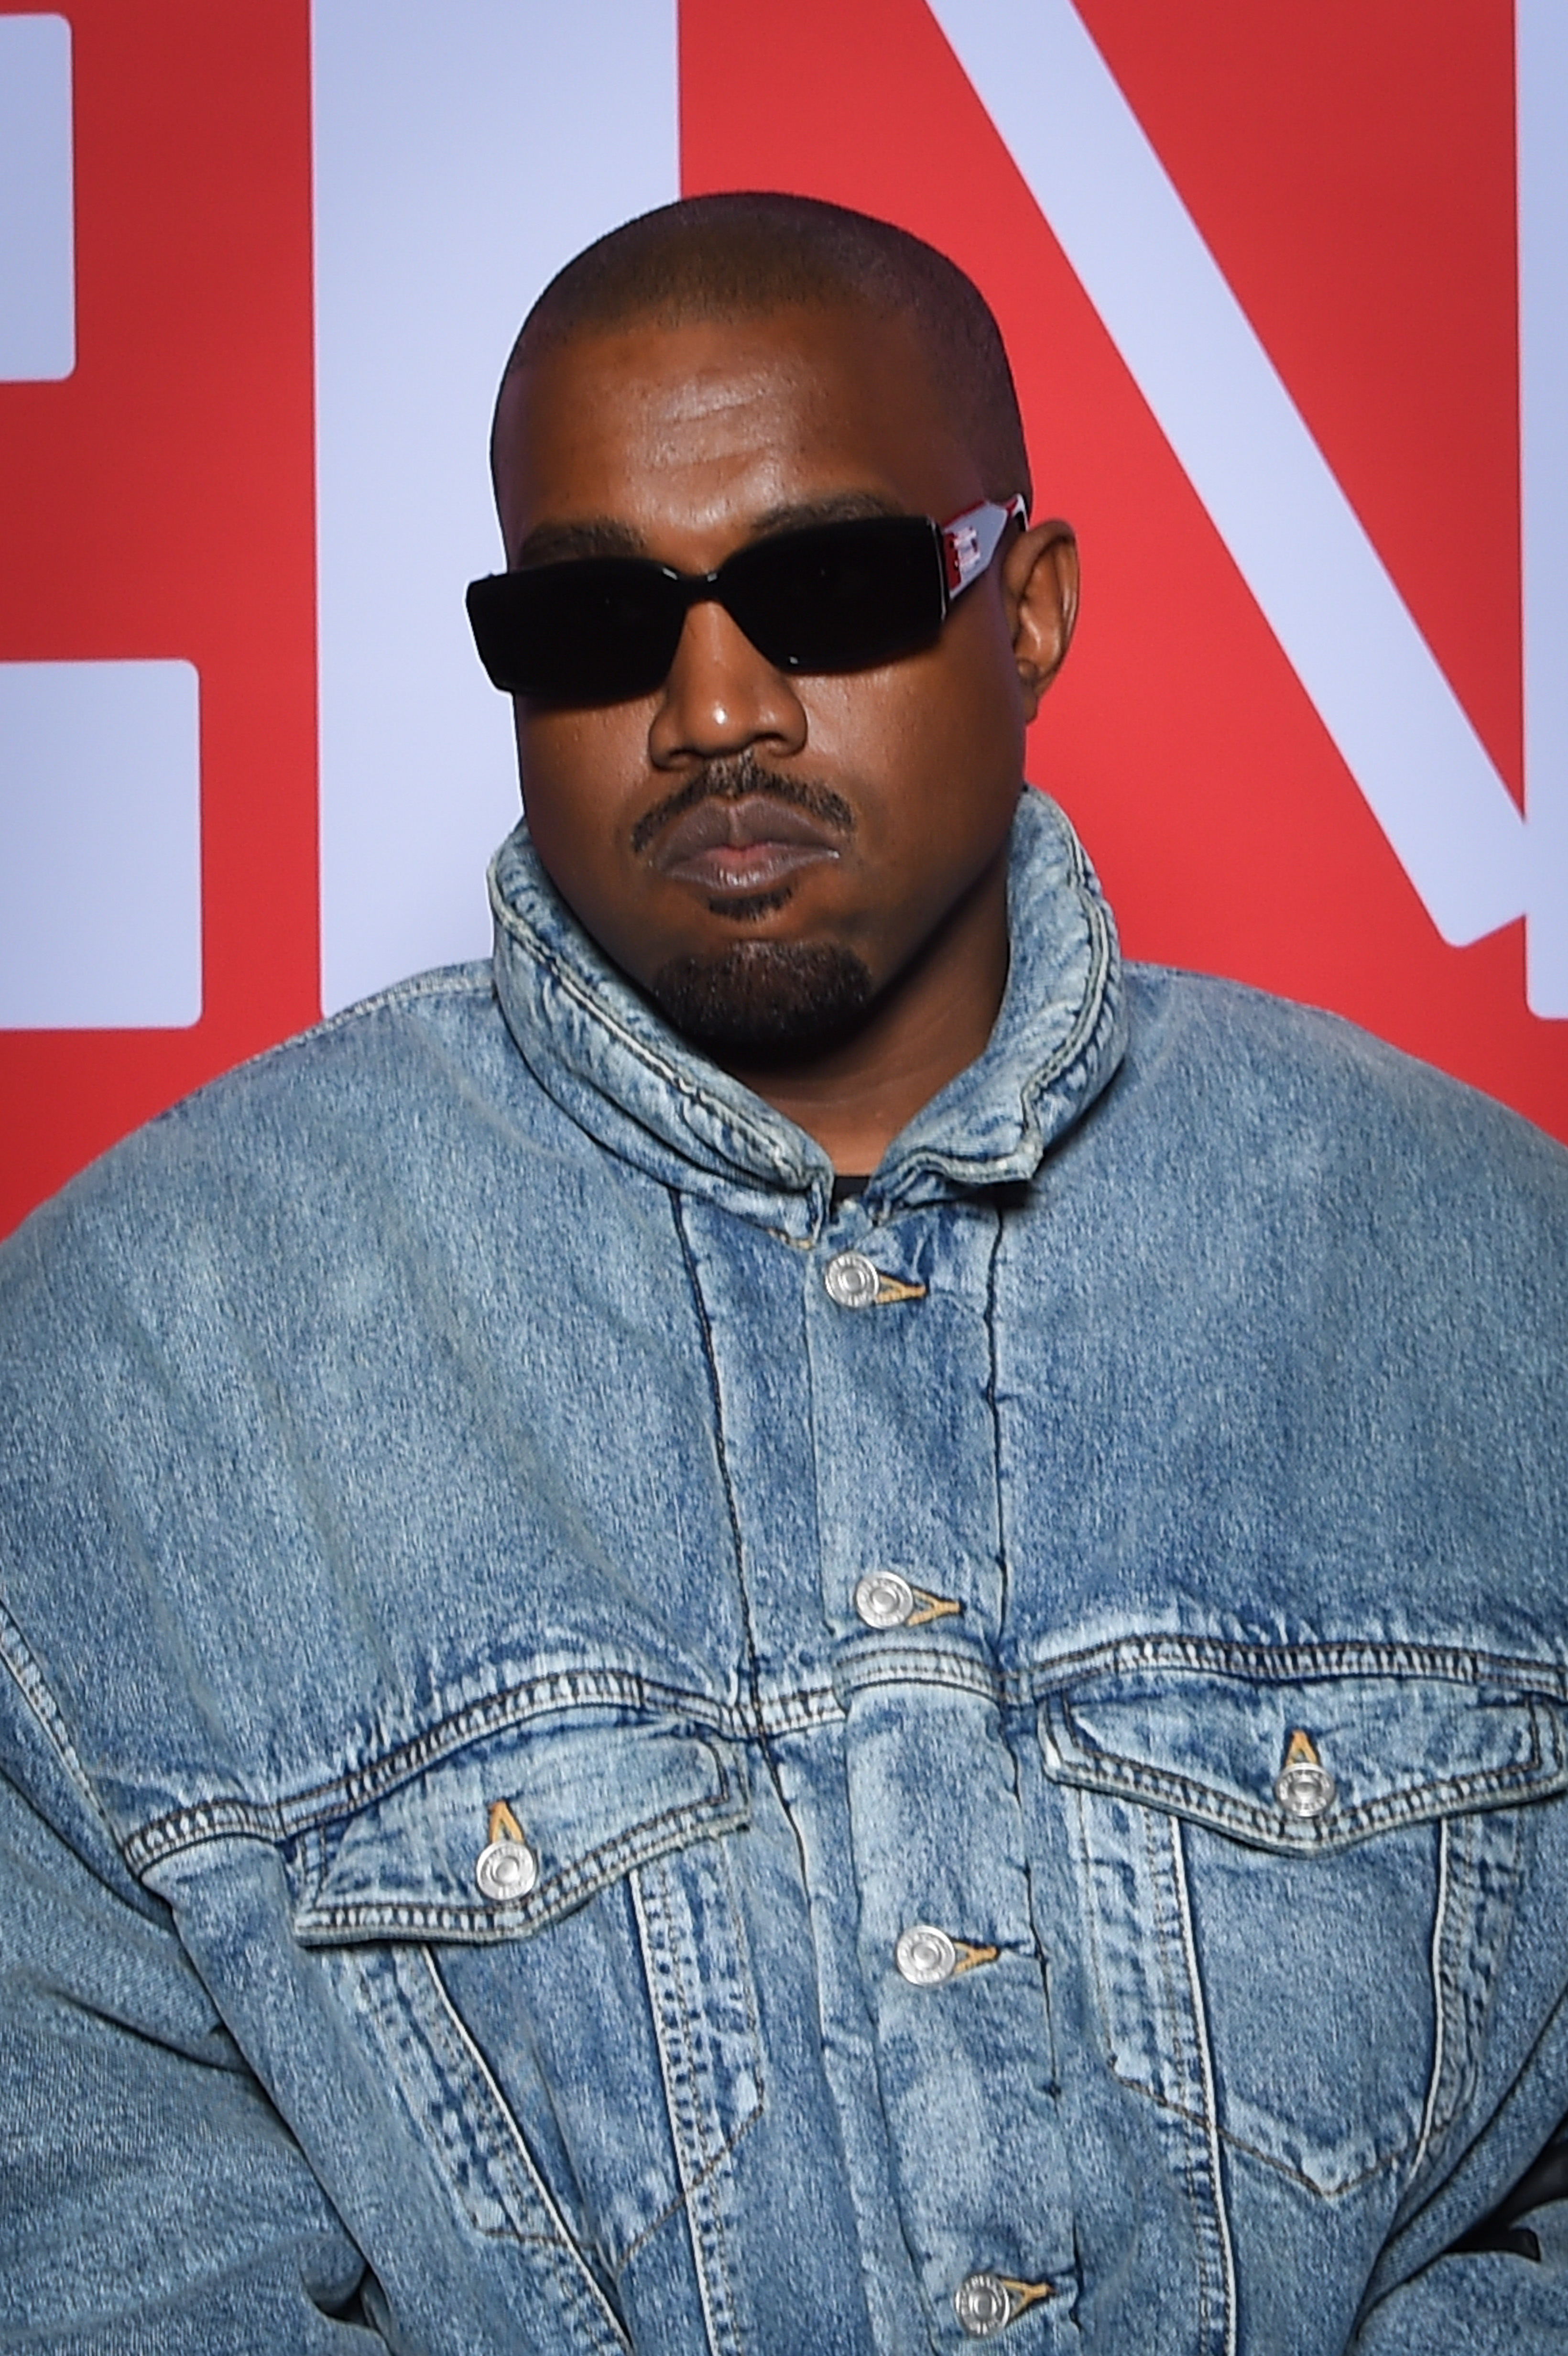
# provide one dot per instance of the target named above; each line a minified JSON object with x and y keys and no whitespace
{"x":746,"y":846}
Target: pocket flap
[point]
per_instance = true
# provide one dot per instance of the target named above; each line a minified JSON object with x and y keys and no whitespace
{"x":1229,"y":1750}
{"x":590,"y":1802}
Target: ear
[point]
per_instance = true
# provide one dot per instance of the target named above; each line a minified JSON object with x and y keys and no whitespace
{"x":1039,"y":593}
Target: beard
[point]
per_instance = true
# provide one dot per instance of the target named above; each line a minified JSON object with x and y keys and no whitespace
{"x":773,"y":1000}
{"x":769,"y":1001}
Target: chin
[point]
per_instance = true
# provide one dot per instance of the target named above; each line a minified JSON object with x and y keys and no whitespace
{"x":766,"y":998}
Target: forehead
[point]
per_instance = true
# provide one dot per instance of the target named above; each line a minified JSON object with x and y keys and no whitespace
{"x":694,"y":431}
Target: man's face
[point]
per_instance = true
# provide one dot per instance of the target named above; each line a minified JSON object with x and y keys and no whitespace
{"x":763,"y":853}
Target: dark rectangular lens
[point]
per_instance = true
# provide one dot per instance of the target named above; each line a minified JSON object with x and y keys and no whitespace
{"x":840,"y":597}
{"x":594,"y":631}
{"x":832,"y":597}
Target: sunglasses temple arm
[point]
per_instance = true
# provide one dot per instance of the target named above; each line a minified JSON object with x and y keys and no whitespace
{"x":970,"y":541}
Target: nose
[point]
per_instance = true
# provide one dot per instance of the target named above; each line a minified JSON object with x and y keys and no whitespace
{"x":722,"y":697}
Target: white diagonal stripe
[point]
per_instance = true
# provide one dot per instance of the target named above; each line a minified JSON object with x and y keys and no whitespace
{"x":1218,"y":398}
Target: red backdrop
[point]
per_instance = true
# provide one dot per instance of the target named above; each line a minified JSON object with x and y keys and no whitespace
{"x":160,"y":502}
{"x":1355,"y":177}
{"x":1352,"y":170}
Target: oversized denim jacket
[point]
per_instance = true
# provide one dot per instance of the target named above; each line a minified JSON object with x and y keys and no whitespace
{"x":515,"y":1606}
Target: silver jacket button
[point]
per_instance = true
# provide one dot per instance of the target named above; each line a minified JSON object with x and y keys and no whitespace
{"x":925,"y":1956}
{"x":1303,"y":1791}
{"x":852,"y":1280}
{"x":505,"y":1870}
{"x":883,"y":1599}
{"x":982,"y":2306}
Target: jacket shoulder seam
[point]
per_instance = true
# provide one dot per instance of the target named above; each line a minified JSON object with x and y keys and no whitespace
{"x":472,"y":980}
{"x":27,"y":1674}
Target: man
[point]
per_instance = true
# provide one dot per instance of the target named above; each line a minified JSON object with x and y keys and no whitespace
{"x":806,"y":1621}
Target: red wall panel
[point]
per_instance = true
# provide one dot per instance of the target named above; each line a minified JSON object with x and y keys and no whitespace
{"x":1352,"y":170}
{"x":1318,"y":153}
{"x":159,"y":502}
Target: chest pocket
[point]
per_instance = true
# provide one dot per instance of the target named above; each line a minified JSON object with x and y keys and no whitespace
{"x":1305,"y":1882}
{"x":539,"y":1936}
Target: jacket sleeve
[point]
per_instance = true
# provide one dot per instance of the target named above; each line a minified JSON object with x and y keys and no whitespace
{"x":1480,"y":2302}
{"x":1502,"y":2285}
{"x":151,"y":2198}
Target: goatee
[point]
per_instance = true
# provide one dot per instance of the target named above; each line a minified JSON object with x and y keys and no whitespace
{"x":773,"y":1000}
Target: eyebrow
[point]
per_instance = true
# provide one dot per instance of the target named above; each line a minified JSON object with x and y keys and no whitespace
{"x":561,"y":543}
{"x":839,"y":506}
{"x":555,"y":543}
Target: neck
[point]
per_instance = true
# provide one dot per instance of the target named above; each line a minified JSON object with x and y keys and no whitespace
{"x":924,"y":1028}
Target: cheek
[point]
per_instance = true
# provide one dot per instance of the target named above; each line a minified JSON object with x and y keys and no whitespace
{"x":943,"y":733}
{"x":581,"y":773}
{"x":578,"y":769}
{"x":981,"y":695}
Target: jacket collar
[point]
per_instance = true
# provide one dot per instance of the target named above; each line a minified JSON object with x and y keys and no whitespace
{"x":616,"y":1068}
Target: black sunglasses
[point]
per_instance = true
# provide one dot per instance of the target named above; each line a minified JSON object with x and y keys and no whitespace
{"x":830,"y":598}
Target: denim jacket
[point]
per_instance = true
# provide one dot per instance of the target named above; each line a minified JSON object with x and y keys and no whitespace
{"x":599,"y":1752}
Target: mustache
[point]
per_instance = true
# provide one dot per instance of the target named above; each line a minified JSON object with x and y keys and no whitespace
{"x":739,"y":780}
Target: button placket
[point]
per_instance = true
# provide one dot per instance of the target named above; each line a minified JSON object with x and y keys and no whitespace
{"x":934,"y":1849}
{"x":937,"y":1854}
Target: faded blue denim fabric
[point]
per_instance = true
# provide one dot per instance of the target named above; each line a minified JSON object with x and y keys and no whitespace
{"x":457,"y":1826}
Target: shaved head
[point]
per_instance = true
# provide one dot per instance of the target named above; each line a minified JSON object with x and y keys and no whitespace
{"x":737,"y":256}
